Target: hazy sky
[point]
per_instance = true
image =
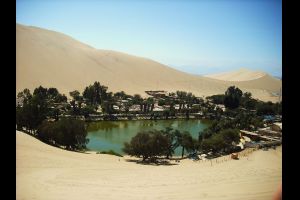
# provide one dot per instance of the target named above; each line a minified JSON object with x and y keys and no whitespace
{"x":194,"y":36}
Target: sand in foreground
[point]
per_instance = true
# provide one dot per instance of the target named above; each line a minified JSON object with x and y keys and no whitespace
{"x":45,"y":172}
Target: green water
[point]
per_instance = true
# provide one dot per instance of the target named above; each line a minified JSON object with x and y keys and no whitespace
{"x":111,"y":135}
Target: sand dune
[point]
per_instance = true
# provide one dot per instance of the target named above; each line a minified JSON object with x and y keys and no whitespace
{"x":52,"y":59}
{"x":45,"y":172}
{"x":242,"y":74}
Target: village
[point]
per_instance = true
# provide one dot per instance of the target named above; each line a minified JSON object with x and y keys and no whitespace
{"x":262,"y":131}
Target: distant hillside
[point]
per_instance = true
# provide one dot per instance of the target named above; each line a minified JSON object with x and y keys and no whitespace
{"x":52,"y":59}
{"x":242,"y":74}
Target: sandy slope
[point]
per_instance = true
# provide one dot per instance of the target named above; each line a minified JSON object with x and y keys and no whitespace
{"x":52,"y":59}
{"x":242,"y":74}
{"x":45,"y":172}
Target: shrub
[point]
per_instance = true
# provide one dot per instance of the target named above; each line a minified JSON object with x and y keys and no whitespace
{"x":111,"y":152}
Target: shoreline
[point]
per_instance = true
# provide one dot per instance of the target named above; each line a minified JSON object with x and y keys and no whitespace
{"x":136,"y":118}
{"x":242,"y":154}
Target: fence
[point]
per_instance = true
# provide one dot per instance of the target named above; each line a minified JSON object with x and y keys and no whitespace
{"x":223,"y":159}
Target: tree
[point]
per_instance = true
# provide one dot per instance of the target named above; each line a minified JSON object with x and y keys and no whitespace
{"x":25,"y":95}
{"x":161,"y":102}
{"x":95,"y":94}
{"x":185,"y":140}
{"x":171,"y":142}
{"x":20,"y":118}
{"x":215,"y":143}
{"x":127,"y":105}
{"x":217,"y":99}
{"x":52,"y":92}
{"x":171,"y":103}
{"x":166,"y":113}
{"x":32,"y":113}
{"x":224,"y":140}
{"x":108,"y":104}
{"x":89,"y":94}
{"x":137,"y":99}
{"x":248,"y":102}
{"x":187,"y":143}
{"x":60,"y":98}
{"x":75,"y":95}
{"x":41,"y":92}
{"x":76,"y":102}
{"x":181,"y":95}
{"x":54,"y":96}
{"x":150,"y":104}
{"x":232,"y":97}
{"x":101,"y":92}
{"x":247,"y":95}
{"x":266,"y":108}
{"x":278,"y":107}
{"x":37,"y":107}
{"x":230,"y":135}
{"x":120,"y":95}
{"x":70,"y":133}
{"x":147,"y":144}
{"x":87,"y":110}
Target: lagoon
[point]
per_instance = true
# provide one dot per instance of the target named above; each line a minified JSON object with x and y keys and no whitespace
{"x":111,"y":135}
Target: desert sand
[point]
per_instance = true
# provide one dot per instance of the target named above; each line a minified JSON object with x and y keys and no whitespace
{"x":241,"y":74}
{"x":53,"y":59}
{"x":48,"y":173}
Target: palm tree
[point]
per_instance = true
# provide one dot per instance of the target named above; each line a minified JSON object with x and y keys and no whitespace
{"x":182,"y":95}
{"x":89,"y":94}
{"x":111,"y":101}
{"x":150,"y":104}
{"x":100,"y":92}
{"x":127,"y":105}
{"x":96,"y":88}
{"x":184,"y":140}
{"x":25,"y":95}
{"x":172,"y":144}
{"x":189,"y":100}
{"x":120,"y":95}
{"x":137,"y":99}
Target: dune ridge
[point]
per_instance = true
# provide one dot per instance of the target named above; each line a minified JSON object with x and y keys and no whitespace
{"x":242,"y":74}
{"x":52,"y":59}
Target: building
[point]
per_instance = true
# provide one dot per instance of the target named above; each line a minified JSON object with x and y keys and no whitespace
{"x":157,"y":93}
{"x":221,"y":106}
{"x":268,"y":132}
{"x":116,"y":107}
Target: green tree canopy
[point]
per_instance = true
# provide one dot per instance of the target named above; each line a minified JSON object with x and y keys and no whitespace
{"x":232,"y":97}
{"x":147,"y":144}
{"x":75,"y":95}
{"x":25,"y":95}
{"x":70,"y":133}
{"x":225,"y":140}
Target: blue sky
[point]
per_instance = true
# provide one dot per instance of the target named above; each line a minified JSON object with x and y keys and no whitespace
{"x":198,"y":37}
